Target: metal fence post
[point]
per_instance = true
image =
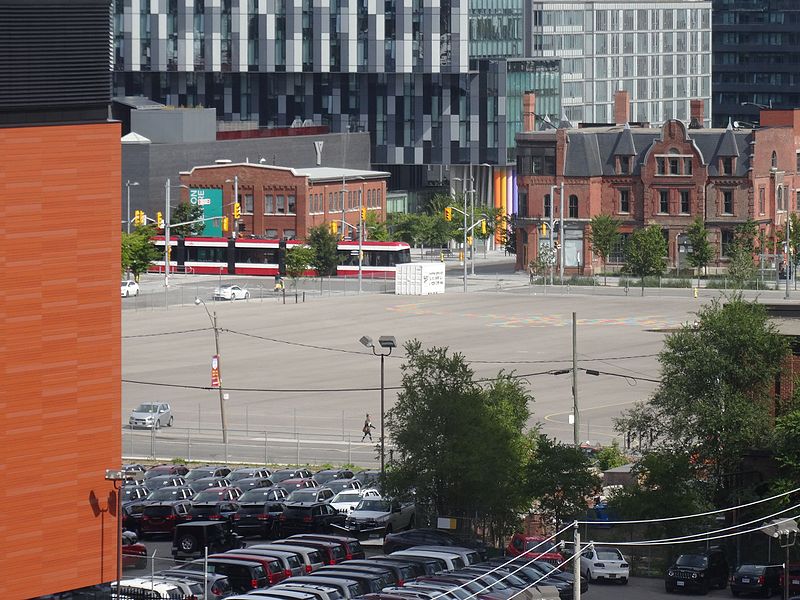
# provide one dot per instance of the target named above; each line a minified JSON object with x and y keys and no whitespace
{"x":349,"y":450}
{"x":188,"y":444}
{"x":297,"y":439}
{"x":266,"y":462}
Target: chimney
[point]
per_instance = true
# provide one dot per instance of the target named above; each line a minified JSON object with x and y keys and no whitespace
{"x":528,"y":112}
{"x":622,"y":107}
{"x":698,"y":113}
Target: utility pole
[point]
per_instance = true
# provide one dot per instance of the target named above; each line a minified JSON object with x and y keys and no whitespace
{"x":464,"y":193}
{"x":166,"y":236}
{"x":235,"y":201}
{"x":472,"y":223}
{"x":576,"y":562}
{"x":576,"y":426}
{"x":128,"y":185}
{"x":788,"y":246}
{"x":552,"y":233}
{"x":360,"y":237}
{"x":561,"y":250}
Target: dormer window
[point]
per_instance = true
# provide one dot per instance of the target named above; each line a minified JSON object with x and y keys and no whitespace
{"x":726,"y":164}
{"x":623,"y":165}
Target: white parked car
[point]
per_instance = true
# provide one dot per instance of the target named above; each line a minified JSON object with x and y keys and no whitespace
{"x":231,"y":292}
{"x":129,"y":288}
{"x":346,"y":500}
{"x":604,"y":562}
{"x":151,"y":415}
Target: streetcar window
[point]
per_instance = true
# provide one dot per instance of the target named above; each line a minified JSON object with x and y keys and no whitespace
{"x":200,"y":254}
{"x":258,"y":256}
{"x":271,"y":234}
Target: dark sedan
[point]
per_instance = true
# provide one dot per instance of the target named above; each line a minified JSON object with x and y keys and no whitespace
{"x":763,"y":580}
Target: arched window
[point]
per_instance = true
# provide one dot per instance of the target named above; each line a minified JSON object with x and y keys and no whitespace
{"x":573,"y":207}
{"x":774,"y":159}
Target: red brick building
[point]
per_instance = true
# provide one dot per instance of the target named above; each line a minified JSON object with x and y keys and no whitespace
{"x":665,"y":176}
{"x":282,"y":202}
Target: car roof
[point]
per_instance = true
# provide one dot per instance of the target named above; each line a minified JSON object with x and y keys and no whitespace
{"x":287,"y":547}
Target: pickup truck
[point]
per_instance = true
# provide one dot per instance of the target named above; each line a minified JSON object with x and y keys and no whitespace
{"x":376,"y":517}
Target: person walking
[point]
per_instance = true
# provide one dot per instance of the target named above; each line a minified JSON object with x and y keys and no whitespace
{"x":367,"y":429}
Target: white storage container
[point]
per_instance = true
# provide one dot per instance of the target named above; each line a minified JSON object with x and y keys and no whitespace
{"x":419,"y":279}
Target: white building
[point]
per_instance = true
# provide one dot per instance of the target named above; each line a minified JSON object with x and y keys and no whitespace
{"x":657,"y":50}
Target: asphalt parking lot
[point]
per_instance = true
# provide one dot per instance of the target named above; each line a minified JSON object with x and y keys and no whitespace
{"x":299,"y":382}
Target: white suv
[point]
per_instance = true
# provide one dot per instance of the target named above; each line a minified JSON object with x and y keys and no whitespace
{"x":129,"y":288}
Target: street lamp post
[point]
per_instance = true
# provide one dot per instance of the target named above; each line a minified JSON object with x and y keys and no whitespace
{"x":117,"y":477}
{"x":129,"y":184}
{"x":389,"y":342}
{"x":223,"y":420}
{"x":464,"y":193}
{"x":785,"y":530}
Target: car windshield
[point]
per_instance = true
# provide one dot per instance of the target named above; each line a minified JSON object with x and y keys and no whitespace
{"x":146,"y":408}
{"x":208,"y":496}
{"x":195,"y":474}
{"x":609,"y":554}
{"x":237,"y":475}
{"x":302,"y":496}
{"x":282,"y":476}
{"x":256,"y":496}
{"x":374,"y":504}
{"x":347,"y":496}
{"x":165,"y":493}
{"x":692,"y":560}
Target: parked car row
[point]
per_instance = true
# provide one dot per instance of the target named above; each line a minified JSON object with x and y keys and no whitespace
{"x":255,"y":501}
{"x":333,"y":567}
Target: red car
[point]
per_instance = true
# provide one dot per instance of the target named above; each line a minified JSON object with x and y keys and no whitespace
{"x":535,"y":547}
{"x":291,"y":485}
{"x":134,"y":554}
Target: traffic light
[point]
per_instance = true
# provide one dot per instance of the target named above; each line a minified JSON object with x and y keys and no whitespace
{"x":363,"y":213}
{"x":483,"y":227}
{"x":225,"y":224}
{"x":237,"y":210}
{"x":544,"y":229}
{"x":159,"y":220}
{"x":448,"y":214}
{"x":334,"y":227}
{"x":137,"y":218}
{"x":469,"y":240}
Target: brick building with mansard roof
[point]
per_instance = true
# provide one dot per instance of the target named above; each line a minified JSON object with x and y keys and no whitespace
{"x":665,"y":176}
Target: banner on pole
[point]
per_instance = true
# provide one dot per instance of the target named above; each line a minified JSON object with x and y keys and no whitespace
{"x":215,"y":371}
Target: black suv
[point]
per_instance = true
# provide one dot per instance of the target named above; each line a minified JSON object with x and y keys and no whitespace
{"x":698,"y":571}
{"x":309,"y":518}
{"x":190,"y":539}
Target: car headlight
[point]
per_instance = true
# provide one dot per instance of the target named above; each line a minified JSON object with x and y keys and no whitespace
{"x":694,"y":575}
{"x":671,"y":573}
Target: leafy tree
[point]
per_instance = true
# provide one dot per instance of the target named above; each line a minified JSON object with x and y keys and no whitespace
{"x":374,"y":229}
{"x":604,"y":237}
{"x":138,"y":252}
{"x":561,"y":479}
{"x":187,"y":212}
{"x":715,"y":391}
{"x":666,"y":483}
{"x":645,"y":252}
{"x":701,"y":253}
{"x":440,"y":414}
{"x":610,"y":457}
{"x":438,"y":231}
{"x":741,"y":267}
{"x":494,"y":218}
{"x":509,"y":235}
{"x":324,"y":246}
{"x":298,"y":260}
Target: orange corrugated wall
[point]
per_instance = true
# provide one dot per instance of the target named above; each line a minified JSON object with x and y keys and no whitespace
{"x":59,"y":355}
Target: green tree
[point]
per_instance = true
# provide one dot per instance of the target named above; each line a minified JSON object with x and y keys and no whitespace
{"x":437,"y":230}
{"x":560,"y":478}
{"x":645,"y":252}
{"x":741,"y":267}
{"x":375,"y":229}
{"x":187,"y":212}
{"x":324,"y":246}
{"x":604,"y":237}
{"x":440,"y":414}
{"x":298,"y":260}
{"x":494,"y":217}
{"x":715,"y":391}
{"x":701,"y":252}
{"x":138,"y":252}
{"x":610,"y":457}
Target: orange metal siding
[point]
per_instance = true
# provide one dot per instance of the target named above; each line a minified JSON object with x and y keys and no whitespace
{"x":59,"y":355}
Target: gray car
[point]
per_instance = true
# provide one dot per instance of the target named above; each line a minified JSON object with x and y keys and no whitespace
{"x":151,"y":415}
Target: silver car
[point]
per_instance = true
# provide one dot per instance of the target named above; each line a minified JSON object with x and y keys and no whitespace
{"x":151,"y":415}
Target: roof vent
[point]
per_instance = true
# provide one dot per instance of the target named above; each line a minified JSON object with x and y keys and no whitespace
{"x":308,"y":123}
{"x":298,"y":122}
{"x":223,"y":161}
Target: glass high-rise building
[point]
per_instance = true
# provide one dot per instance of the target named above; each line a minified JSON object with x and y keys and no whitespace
{"x":756,"y":58}
{"x":657,"y":50}
{"x":435,"y":83}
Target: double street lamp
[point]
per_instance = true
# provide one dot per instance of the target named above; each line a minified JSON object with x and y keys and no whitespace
{"x":388,"y":342}
{"x":217,"y":368}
